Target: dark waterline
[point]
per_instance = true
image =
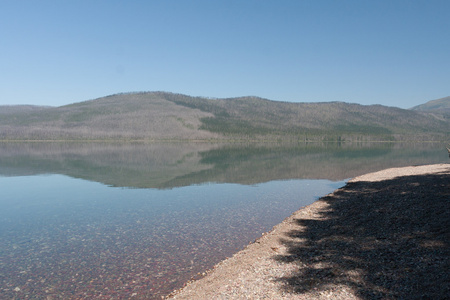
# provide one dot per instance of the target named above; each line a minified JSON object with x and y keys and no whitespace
{"x":69,"y":238}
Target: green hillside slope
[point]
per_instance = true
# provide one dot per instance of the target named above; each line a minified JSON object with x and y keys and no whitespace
{"x":162,"y":116}
{"x":254,"y":116}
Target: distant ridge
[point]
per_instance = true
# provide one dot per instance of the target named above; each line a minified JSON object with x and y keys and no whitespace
{"x":10,"y":109}
{"x":169,"y":116}
{"x":441,"y":105}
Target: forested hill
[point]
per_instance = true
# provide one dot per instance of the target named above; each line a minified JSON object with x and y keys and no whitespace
{"x":168,"y":116}
{"x":438,"y":105}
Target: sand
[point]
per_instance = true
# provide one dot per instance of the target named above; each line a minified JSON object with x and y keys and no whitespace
{"x":385,"y":235}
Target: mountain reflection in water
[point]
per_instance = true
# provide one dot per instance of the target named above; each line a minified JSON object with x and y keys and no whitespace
{"x":168,"y":165}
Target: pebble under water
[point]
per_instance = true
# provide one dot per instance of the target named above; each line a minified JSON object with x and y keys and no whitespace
{"x":66,"y":238}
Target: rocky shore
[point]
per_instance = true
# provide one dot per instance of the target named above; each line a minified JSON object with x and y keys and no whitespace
{"x":385,"y":235}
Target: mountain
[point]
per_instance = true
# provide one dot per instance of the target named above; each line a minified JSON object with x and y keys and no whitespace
{"x":121,"y":116}
{"x":12,"y":109}
{"x":438,"y":105}
{"x":168,"y":116}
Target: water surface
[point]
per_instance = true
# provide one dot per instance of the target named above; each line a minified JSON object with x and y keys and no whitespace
{"x":117,"y":221}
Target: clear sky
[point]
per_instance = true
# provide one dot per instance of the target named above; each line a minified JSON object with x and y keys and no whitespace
{"x":392,"y":52}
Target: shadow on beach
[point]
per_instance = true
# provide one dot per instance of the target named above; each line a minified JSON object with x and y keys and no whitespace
{"x":387,"y":239}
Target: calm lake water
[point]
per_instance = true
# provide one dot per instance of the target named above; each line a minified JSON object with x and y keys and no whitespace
{"x":114,"y":221}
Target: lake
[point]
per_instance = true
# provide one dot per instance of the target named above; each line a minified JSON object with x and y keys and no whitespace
{"x":110,"y":220}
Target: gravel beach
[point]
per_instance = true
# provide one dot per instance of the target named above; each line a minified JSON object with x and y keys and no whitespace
{"x":384,"y":235}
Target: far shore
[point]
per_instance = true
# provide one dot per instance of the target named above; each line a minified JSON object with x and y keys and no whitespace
{"x":384,"y":235}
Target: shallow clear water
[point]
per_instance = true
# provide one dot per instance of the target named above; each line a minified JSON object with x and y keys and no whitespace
{"x":118,"y":221}
{"x":74,"y":238}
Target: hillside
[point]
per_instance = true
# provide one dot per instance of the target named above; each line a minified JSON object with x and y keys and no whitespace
{"x":163,"y":116}
{"x":13,"y":109}
{"x":439,"y":105}
{"x":122,"y":116}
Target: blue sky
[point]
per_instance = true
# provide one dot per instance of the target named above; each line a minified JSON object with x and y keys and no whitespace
{"x":395,"y":53}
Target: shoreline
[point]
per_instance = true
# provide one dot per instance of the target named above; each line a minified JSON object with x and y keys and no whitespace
{"x":355,"y":243}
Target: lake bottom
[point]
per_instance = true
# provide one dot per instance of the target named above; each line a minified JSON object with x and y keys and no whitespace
{"x":66,"y":238}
